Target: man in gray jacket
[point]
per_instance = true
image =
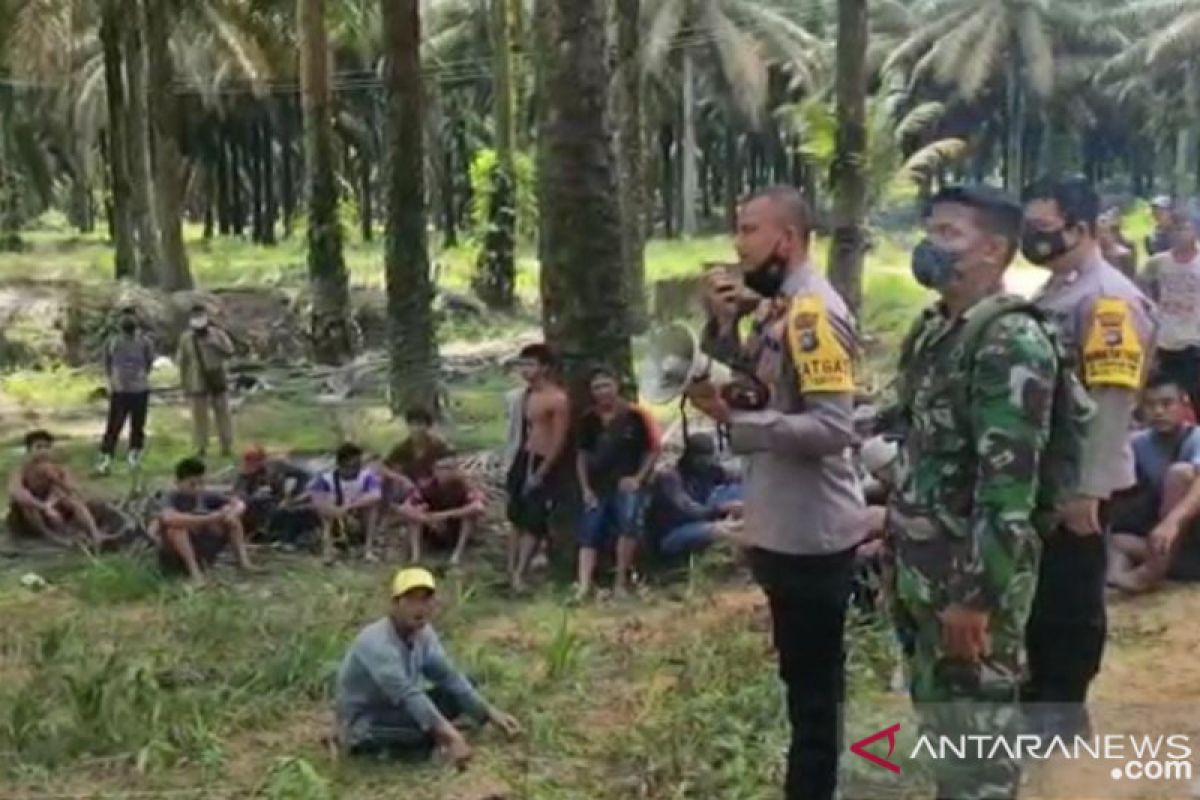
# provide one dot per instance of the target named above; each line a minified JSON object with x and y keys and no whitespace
{"x":804,"y":512}
{"x":382,"y":702}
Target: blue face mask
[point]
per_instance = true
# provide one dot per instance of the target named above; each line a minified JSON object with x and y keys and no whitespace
{"x":934,"y":266}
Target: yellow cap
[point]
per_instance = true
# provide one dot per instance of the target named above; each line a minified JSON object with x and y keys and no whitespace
{"x":413,"y":578}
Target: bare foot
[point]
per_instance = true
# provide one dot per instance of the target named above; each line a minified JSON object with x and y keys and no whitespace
{"x":582,"y":593}
{"x":518,"y":584}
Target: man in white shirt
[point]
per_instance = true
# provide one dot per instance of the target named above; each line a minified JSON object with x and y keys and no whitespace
{"x":1172,"y":279}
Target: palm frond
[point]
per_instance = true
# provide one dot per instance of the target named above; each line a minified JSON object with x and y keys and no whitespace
{"x":919,"y":42}
{"x":920,"y":119}
{"x":243,"y":50}
{"x":666,"y":20}
{"x":741,"y":63}
{"x":931,"y":158}
{"x":1038,"y":51}
{"x":977,"y":70}
{"x":1180,"y":40}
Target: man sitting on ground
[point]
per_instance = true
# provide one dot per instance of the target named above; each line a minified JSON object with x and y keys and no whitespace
{"x":349,"y":495}
{"x":382,"y":702}
{"x":444,"y":509}
{"x":275,"y":492}
{"x":411,"y":462}
{"x":688,"y":500}
{"x":617,"y":450}
{"x":196,"y":524}
{"x":45,"y":502}
{"x":1154,"y":521}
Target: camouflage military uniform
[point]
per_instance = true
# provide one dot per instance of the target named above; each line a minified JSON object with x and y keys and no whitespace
{"x":961,"y":525}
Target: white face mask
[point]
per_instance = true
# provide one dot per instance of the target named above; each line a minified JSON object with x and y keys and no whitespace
{"x":198,"y":322}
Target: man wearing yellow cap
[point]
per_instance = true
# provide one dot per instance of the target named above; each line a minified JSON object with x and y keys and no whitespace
{"x":397,"y":691}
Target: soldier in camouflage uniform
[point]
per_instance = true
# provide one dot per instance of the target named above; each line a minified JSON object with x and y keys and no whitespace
{"x":961,"y":522}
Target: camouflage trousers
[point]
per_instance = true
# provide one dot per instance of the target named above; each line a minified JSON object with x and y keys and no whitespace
{"x":956,"y":700}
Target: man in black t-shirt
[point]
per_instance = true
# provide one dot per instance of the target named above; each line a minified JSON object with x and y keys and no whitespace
{"x":617,"y":449}
{"x":196,"y":524}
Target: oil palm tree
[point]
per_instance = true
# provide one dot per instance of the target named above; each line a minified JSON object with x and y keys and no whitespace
{"x":743,"y":39}
{"x":584,"y":307}
{"x":970,"y":45}
{"x":411,"y":335}
{"x":329,"y":282}
{"x":1163,"y":51}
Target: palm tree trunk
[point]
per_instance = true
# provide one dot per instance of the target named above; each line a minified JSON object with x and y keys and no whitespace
{"x":137,"y":130}
{"x":267,"y":159}
{"x":237,"y":205}
{"x":118,"y":161}
{"x":257,"y":201}
{"x":687,"y":202}
{"x":224,"y":181}
{"x":584,"y":309}
{"x":165,"y":126}
{"x":1185,"y":146}
{"x":287,"y":178}
{"x":846,"y":249}
{"x":666,"y":189}
{"x":366,"y":204}
{"x":412,"y":340}
{"x":1013,"y":166}
{"x":630,"y":161}
{"x":329,"y":283}
{"x":495,"y":273}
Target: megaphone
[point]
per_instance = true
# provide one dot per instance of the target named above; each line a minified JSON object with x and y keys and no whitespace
{"x":672,"y":361}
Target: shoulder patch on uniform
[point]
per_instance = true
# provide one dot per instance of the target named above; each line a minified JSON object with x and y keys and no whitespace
{"x":822,"y":361}
{"x":1112,"y":351}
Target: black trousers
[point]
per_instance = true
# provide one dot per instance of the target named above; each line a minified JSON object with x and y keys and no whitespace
{"x":123,"y":405}
{"x":392,"y":732}
{"x":808,"y":596}
{"x":1068,"y":623}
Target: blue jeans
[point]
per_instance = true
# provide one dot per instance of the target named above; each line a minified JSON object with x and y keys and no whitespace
{"x":695,"y":536}
{"x":616,"y":514}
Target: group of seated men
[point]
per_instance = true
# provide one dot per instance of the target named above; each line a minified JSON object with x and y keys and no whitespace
{"x":419,"y":483}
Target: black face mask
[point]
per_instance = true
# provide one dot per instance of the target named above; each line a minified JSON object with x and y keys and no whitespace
{"x":128,"y":325}
{"x":767,"y":279}
{"x":934,"y":266}
{"x":1042,"y":247}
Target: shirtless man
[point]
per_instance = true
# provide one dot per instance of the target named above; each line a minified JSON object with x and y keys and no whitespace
{"x":534,"y":483}
{"x":45,"y":502}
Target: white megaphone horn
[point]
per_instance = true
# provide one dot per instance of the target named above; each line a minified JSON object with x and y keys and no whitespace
{"x":673,"y":360}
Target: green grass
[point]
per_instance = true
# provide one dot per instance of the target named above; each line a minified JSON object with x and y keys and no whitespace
{"x":115,"y":680}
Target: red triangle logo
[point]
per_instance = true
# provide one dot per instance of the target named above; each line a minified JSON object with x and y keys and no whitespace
{"x":859,"y":748}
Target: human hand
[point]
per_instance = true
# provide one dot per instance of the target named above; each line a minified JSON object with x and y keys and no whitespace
{"x":589,"y":499}
{"x":1081,"y":515}
{"x":628,"y":485}
{"x":505,"y":722}
{"x":876,"y":522}
{"x":457,"y":749}
{"x":964,"y":633}
{"x":1163,"y":538}
{"x":52,"y":515}
{"x":735,"y":509}
{"x":726,"y":297}
{"x":708,"y":401}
